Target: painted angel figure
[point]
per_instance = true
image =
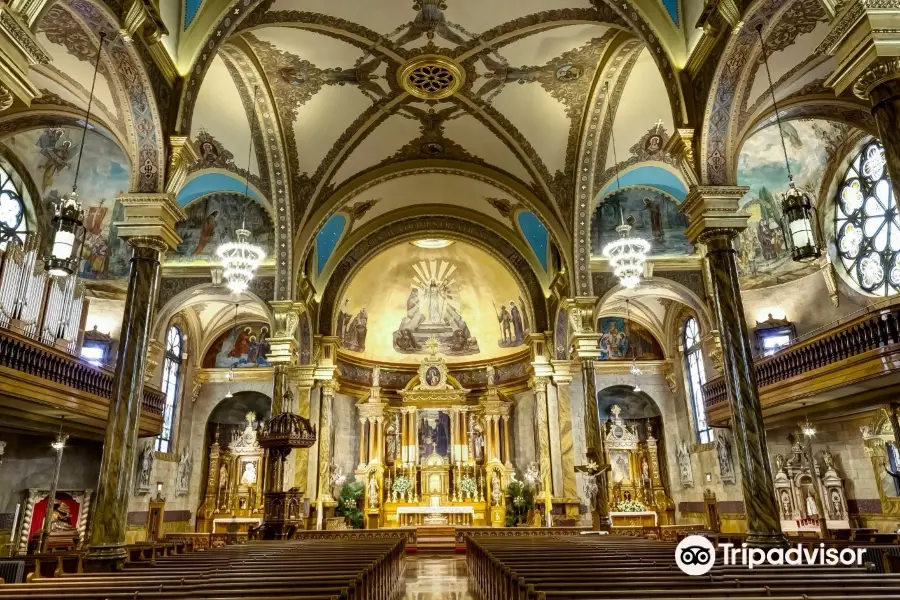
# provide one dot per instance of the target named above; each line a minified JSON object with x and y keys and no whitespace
{"x":57,"y":153}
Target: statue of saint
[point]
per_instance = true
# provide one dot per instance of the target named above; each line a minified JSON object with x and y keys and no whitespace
{"x":373,"y":492}
{"x":61,"y":518}
{"x":811,"y":509}
{"x":376,"y":376}
{"x":496,"y":492}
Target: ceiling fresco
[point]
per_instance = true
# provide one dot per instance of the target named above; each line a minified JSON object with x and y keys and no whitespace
{"x":460,"y":296}
{"x":50,"y":155}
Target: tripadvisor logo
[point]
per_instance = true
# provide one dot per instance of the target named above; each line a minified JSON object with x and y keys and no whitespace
{"x":696,"y":555}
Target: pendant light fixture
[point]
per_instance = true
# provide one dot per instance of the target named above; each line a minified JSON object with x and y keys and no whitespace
{"x":240,"y":258}
{"x":796,"y":204}
{"x":635,"y":370}
{"x":68,"y":215}
{"x":627,"y":254}
{"x":230,"y":375}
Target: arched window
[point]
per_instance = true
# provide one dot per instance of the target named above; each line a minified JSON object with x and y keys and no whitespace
{"x":867,"y":224}
{"x":12,"y":210}
{"x":171,"y":374}
{"x":696,"y":377}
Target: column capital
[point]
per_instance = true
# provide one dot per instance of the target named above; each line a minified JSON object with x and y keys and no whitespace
{"x":19,"y":49}
{"x":182,"y":154}
{"x":304,"y":375}
{"x":879,"y":72}
{"x":330,"y":387}
{"x":581,"y":313}
{"x":714,"y":211}
{"x":862,"y":36}
{"x":681,"y":147}
{"x":150,"y":217}
{"x":539,"y":383}
{"x":562,"y":371}
{"x":283,"y":343}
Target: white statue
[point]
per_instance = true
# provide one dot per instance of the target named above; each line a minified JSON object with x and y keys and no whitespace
{"x":811,"y":509}
{"x":248,"y":477}
{"x":373,"y":492}
{"x":491,"y":375}
{"x":496,"y":492}
{"x":837,"y":505}
{"x":376,"y":376}
{"x":145,"y":467}
{"x":726,"y":464}
{"x":184,"y":470}
{"x":684,"y":464}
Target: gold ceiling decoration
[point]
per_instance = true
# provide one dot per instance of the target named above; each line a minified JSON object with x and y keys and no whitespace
{"x":431,"y":77}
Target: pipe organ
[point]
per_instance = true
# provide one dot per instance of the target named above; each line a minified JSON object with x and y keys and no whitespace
{"x":36,"y":305}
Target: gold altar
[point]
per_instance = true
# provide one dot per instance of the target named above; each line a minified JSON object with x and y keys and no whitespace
{"x":234,"y":498}
{"x":637,"y":495}
{"x":436,"y":456}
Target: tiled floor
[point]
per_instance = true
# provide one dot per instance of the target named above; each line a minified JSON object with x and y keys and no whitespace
{"x":435,"y":578}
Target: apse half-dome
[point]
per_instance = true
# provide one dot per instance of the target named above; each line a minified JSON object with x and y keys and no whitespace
{"x":459,"y":295}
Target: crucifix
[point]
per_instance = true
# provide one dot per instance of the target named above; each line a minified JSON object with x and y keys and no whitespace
{"x":659,"y":125}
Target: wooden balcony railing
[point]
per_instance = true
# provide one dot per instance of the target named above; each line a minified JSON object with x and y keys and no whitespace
{"x":873,"y":330}
{"x":29,"y":356}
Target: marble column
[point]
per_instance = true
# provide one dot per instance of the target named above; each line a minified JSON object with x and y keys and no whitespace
{"x":715,"y":220}
{"x":326,"y":423}
{"x":278,"y":389}
{"x":543,"y":427}
{"x":507,"y":458}
{"x":596,"y":452}
{"x":305,"y":383}
{"x":562,"y":377}
{"x":362,"y":444}
{"x":106,"y":549}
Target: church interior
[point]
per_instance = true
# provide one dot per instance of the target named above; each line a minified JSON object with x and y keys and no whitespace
{"x":447,"y":298}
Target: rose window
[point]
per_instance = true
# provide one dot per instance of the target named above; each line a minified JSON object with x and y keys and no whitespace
{"x":867,"y":224}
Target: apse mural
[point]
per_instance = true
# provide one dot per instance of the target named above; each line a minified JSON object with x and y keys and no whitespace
{"x":50,"y":156}
{"x":653,"y":216}
{"x":763,"y":256}
{"x":242,"y":346}
{"x":623,"y":339}
{"x":212,"y":220}
{"x":459,"y":295}
{"x":434,"y":433}
{"x":352,"y":328}
{"x":433,"y":310}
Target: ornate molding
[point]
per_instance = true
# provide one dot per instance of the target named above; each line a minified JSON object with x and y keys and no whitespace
{"x":18,"y":32}
{"x":881,"y":71}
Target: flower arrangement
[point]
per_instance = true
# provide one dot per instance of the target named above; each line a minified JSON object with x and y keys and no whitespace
{"x":468,"y":486}
{"x":401,"y":485}
{"x":631,"y":506}
{"x":522,"y":495}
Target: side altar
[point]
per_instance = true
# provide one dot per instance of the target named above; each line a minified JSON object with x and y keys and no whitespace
{"x":434,"y":456}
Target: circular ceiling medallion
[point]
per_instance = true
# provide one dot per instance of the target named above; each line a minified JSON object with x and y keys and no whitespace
{"x":431,"y":77}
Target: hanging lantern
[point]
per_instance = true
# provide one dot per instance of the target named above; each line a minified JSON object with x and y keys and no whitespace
{"x":627,"y":256}
{"x":796,"y":205}
{"x":240,"y":259}
{"x":68,"y":217}
{"x":68,"y":236}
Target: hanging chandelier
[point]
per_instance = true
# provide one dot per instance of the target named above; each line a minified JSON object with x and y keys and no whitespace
{"x":627,"y":254}
{"x":241,"y":258}
{"x":796,"y":204}
{"x":68,"y":214}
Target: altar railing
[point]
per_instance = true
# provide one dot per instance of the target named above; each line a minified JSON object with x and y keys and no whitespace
{"x":855,"y":351}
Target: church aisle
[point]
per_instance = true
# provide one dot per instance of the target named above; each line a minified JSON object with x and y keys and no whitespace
{"x":435,"y":578}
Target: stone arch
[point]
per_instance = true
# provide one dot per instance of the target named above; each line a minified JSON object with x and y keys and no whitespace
{"x":143,"y":117}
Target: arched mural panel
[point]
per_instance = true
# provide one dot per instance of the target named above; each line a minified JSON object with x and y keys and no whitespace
{"x":244,"y":345}
{"x":653,"y":216}
{"x":624,"y":339}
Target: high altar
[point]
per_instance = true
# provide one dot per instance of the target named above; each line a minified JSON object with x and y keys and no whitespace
{"x":634,"y":474}
{"x":436,"y":456}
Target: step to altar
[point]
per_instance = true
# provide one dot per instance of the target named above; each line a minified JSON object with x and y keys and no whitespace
{"x":438,"y":539}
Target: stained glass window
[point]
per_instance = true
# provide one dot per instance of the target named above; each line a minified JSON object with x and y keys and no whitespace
{"x":171,"y":372}
{"x":867,"y":224}
{"x":12,"y":211}
{"x":696,"y":377}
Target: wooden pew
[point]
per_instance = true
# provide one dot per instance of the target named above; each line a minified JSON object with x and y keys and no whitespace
{"x":351,"y":569}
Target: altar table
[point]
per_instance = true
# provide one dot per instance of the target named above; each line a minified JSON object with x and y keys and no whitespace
{"x":633,"y":519}
{"x":416,"y":515}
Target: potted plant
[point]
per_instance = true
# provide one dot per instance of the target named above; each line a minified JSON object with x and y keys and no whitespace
{"x":521,"y":503}
{"x":348,"y":504}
